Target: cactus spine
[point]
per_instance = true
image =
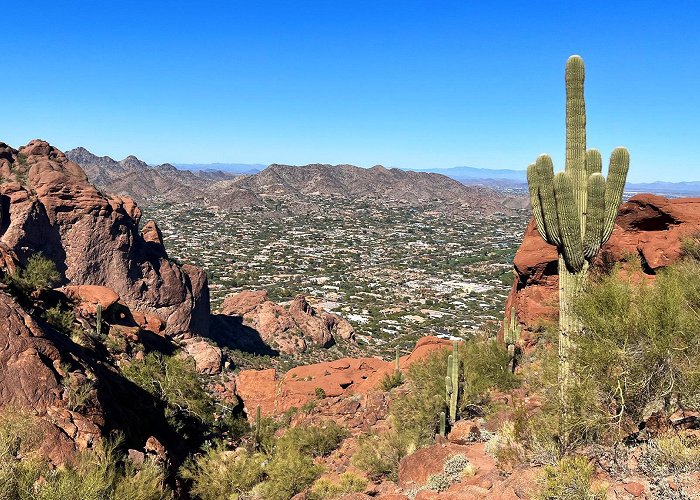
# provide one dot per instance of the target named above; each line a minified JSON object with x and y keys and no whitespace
{"x":98,"y":320}
{"x":452,"y":383}
{"x":575,"y":209}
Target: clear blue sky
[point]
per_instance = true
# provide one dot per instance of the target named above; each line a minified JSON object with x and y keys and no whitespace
{"x":401,"y":83}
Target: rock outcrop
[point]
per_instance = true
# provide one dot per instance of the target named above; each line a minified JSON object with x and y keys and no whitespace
{"x":648,"y":227}
{"x":348,"y":387}
{"x":49,"y":206}
{"x":253,"y":318}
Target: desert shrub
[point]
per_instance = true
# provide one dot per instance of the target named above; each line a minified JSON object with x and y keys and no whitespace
{"x":569,"y":479}
{"x":347,"y":483}
{"x":453,"y":470}
{"x":319,"y":392}
{"x":77,"y":392}
{"x":62,"y":320}
{"x":20,"y":465}
{"x":40,"y":273}
{"x":483,"y":366}
{"x":391,"y":380}
{"x":218,"y":473}
{"x":690,"y":247}
{"x":174,"y":381}
{"x":288,"y":472}
{"x":505,"y":445}
{"x":379,"y":454}
{"x":673,"y":454}
{"x":94,"y":474}
{"x":314,"y":440}
{"x":640,"y":348}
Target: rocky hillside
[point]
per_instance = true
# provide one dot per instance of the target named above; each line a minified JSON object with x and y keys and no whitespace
{"x":140,"y":181}
{"x":292,"y":184}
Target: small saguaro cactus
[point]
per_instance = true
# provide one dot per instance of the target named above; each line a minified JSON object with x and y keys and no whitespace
{"x":397,"y":363}
{"x":575,"y":209}
{"x":452,"y":383}
{"x":257,"y":427}
{"x":442,"y":424}
{"x":511,"y":336}
{"x":98,"y":320}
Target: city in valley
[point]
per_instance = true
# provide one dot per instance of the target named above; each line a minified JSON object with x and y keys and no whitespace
{"x":395,"y":272}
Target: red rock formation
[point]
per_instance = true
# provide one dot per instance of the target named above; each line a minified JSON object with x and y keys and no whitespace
{"x":344,"y":380}
{"x":94,"y":239}
{"x":289,"y":329}
{"x":648,"y":226}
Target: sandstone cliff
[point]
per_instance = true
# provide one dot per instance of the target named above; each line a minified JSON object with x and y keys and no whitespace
{"x":49,"y":206}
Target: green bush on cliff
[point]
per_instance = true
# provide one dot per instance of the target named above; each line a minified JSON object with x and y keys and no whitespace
{"x":173,"y":381}
{"x":99,"y":473}
{"x":569,"y":479}
{"x":640,"y":349}
{"x":483,"y":367}
{"x":40,"y":273}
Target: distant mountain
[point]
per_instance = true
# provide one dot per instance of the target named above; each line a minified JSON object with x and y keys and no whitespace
{"x":505,"y":178}
{"x":378,"y":184}
{"x":478,"y":174}
{"x":233,"y":168}
{"x":141,"y":181}
{"x":300,"y":185}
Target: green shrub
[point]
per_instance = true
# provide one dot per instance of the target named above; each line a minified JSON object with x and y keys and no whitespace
{"x":40,"y":273}
{"x":319,"y":392}
{"x":483,"y":366}
{"x":94,"y":474}
{"x":219,"y":474}
{"x":289,"y":472}
{"x":453,"y":470}
{"x":639,"y":351}
{"x":326,"y":489}
{"x":314,"y":440}
{"x":174,"y":381}
{"x":379,"y":454}
{"x":63,"y":321}
{"x":671,"y":454}
{"x":391,"y":380}
{"x":569,"y":479}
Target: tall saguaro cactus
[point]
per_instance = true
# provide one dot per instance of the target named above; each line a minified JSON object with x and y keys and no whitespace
{"x":575,"y":209}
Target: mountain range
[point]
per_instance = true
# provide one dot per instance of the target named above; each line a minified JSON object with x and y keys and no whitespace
{"x":296,"y":184}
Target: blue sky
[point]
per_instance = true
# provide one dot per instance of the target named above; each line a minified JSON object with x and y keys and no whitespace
{"x":399,"y":83}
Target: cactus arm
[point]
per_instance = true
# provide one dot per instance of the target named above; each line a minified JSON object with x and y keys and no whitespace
{"x":570,"y":223}
{"x":595,"y":215}
{"x":594,"y":162}
{"x":535,"y":201}
{"x":544,"y":169}
{"x":617,"y":175}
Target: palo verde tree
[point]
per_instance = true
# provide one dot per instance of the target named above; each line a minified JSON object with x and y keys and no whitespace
{"x":575,"y":209}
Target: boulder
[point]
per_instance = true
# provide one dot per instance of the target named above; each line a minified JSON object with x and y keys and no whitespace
{"x":207,"y":357}
{"x":288,"y":330}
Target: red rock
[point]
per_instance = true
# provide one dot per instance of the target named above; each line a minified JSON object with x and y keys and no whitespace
{"x":635,"y":489}
{"x":94,"y":239}
{"x":289,"y":329}
{"x":649,"y":226}
{"x":207,"y":357}
{"x":463,"y":432}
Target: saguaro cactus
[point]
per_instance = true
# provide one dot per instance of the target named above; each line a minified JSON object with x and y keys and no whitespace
{"x":575,"y":209}
{"x":442,"y":423}
{"x":452,"y":383}
{"x":397,"y":363}
{"x":511,"y":335}
{"x":98,"y":320}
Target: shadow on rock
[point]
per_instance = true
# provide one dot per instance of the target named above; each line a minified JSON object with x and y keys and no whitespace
{"x":229,"y":331}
